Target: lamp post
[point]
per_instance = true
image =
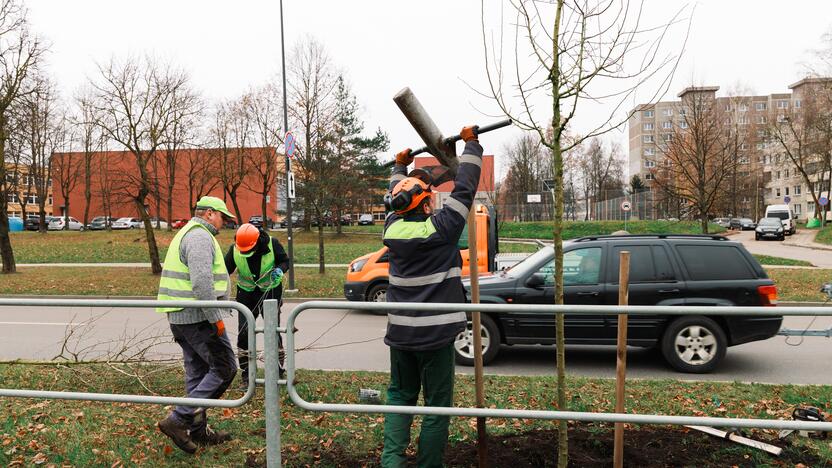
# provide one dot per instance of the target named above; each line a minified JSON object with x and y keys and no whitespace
{"x":288,"y":162}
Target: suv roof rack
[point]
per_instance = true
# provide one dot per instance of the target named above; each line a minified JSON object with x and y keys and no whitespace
{"x":657,"y":236}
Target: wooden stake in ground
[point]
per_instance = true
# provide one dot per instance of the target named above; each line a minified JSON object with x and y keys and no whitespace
{"x":474,"y":270}
{"x":621,"y":359}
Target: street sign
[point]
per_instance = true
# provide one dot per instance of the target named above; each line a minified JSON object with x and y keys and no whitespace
{"x":787,"y":199}
{"x":823,"y":201}
{"x":625,"y":205}
{"x":289,"y":144}
{"x":533,"y":198}
{"x":290,"y":179}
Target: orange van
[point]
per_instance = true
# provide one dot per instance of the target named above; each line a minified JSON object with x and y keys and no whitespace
{"x":367,"y":275}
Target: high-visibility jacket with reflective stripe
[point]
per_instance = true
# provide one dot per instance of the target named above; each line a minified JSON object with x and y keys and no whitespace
{"x":245,"y":278}
{"x":175,"y":284}
{"x":425,"y":265}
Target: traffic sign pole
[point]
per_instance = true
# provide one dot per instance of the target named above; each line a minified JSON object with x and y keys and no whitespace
{"x":625,"y":207}
{"x":288,"y":163}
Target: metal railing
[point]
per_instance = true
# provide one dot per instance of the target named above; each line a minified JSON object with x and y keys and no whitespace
{"x":541,"y":414}
{"x":148,"y":399}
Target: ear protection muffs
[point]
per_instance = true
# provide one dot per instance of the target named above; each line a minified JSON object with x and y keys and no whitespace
{"x":407,"y":195}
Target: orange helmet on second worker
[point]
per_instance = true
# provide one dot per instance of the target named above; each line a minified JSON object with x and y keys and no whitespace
{"x":408,"y":194}
{"x":246,"y":237}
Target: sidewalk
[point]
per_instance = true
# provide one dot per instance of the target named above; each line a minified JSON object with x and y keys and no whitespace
{"x":806,"y":238}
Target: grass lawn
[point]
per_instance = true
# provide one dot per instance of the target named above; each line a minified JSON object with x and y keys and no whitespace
{"x":575,"y":229}
{"x":792,"y":284}
{"x":824,"y":236}
{"x":769,"y":260}
{"x":130,"y":246}
{"x":77,"y":433}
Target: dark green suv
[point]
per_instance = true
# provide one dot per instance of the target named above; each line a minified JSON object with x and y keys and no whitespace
{"x":669,"y":270}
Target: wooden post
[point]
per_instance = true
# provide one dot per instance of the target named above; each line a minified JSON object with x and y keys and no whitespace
{"x":473,"y":269}
{"x":621,"y":356}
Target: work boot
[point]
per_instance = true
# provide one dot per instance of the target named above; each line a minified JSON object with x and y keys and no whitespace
{"x":209,"y":436}
{"x":178,"y":433}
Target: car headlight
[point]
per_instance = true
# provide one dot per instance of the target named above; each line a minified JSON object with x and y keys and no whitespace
{"x":358,"y":265}
{"x":759,"y":229}
{"x":780,"y":229}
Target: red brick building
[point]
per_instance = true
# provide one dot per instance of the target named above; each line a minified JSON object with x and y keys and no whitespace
{"x":115,"y":181}
{"x":485,"y":191}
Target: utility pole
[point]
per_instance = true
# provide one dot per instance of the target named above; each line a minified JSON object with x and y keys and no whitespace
{"x":288,"y":162}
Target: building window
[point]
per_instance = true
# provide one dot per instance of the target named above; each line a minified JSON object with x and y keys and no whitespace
{"x":782,"y":104}
{"x":761,"y":119}
{"x":649,"y":163}
{"x":647,"y":113}
{"x":648,"y":126}
{"x":649,"y":151}
{"x":743,"y":146}
{"x":762,"y":145}
{"x":796,"y":208}
{"x":810,"y":207}
{"x":667,"y":137}
{"x":667,"y":112}
{"x":649,"y":176}
{"x":797,"y":103}
{"x":32,"y":199}
{"x":683,"y":124}
{"x":797,"y":190}
{"x":762,"y":134}
{"x":12,"y":198}
{"x":50,"y":200}
{"x":667,"y":124}
{"x":743,"y":120}
{"x":781,"y":118}
{"x":743,"y":108}
{"x":787,"y":176}
{"x":777,"y":192}
{"x":728,"y":108}
{"x":787,"y":190}
{"x":743,"y":159}
{"x":647,"y":138}
{"x":681,"y":112}
{"x":778,"y":176}
{"x":760,"y":106}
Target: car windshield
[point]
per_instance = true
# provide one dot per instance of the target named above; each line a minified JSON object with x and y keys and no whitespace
{"x":778,"y":214}
{"x":770,"y":222}
{"x":528,"y":264}
{"x":746,"y":220}
{"x":123,"y":220}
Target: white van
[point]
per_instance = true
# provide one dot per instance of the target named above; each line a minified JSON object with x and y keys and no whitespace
{"x":786,"y":215}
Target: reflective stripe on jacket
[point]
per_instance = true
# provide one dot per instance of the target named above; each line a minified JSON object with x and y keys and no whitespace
{"x":245,"y":278}
{"x":425,"y":264}
{"x":175,"y":283}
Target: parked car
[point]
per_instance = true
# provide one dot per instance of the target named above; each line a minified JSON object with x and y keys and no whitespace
{"x":258,"y":221}
{"x":345,"y":220}
{"x":786,"y":215}
{"x":230,"y":224}
{"x":100,"y":223}
{"x":747,"y":224}
{"x":57,"y":224}
{"x":365,"y":220}
{"x":770,"y":228}
{"x":157,"y":223}
{"x":179,"y":223}
{"x":672,"y":270}
{"x":734,"y":223}
{"x":123,"y":223}
{"x":32,"y":223}
{"x":296,"y":220}
{"x":724,"y":222}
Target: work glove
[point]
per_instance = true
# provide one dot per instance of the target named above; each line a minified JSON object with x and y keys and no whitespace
{"x":277,"y":273}
{"x":469,"y":133}
{"x":404,"y":158}
{"x":219,"y":327}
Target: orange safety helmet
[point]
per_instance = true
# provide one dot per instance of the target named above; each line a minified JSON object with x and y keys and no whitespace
{"x":246,"y":237}
{"x":407,"y":195}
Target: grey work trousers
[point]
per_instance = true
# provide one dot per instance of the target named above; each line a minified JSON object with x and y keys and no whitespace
{"x":210,"y":367}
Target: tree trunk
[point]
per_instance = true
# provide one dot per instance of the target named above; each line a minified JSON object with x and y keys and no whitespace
{"x":264,"y":208}
{"x":233,"y":195}
{"x":170,"y":208}
{"x":704,"y":222}
{"x":321,"y":265}
{"x":66,"y":212}
{"x":88,"y":189}
{"x":337,"y":221}
{"x":153,"y":249}
{"x":6,"y":252}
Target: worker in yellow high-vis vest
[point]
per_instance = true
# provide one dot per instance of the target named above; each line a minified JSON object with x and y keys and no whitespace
{"x":194,"y":269}
{"x":260,"y":263}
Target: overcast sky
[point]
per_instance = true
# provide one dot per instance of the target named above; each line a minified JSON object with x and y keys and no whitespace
{"x":432,"y":46}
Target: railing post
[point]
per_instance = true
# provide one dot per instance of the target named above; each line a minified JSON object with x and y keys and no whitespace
{"x":272,"y":387}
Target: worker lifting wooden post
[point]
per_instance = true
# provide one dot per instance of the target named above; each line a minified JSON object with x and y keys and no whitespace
{"x":445,"y":152}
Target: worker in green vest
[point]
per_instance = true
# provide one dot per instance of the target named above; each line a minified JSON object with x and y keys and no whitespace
{"x":260,"y":263}
{"x":194,"y":269}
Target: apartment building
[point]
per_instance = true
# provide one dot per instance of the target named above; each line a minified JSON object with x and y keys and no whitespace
{"x":25,"y":197}
{"x":764,"y":174}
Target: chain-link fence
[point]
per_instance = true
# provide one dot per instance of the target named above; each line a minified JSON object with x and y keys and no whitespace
{"x":537,"y":206}
{"x":642,"y":206}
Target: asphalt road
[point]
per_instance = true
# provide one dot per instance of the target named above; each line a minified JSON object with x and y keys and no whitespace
{"x":787,"y":248}
{"x":353,"y":340}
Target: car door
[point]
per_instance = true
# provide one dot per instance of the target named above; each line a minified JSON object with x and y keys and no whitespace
{"x":582,"y":285}
{"x":654,"y":280}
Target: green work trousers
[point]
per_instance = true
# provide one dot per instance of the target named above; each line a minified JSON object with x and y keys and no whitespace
{"x":411,"y":371}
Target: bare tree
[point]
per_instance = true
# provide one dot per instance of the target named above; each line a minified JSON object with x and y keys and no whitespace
{"x":201,"y":167}
{"x":602,"y":170}
{"x":231,"y":132}
{"x":527,"y":170}
{"x":19,"y":55}
{"x":575,"y":49}
{"x":42,"y":125}
{"x":312,"y":88}
{"x":262,"y":107}
{"x":67,"y":165}
{"x":699,"y":155}
{"x":90,"y":140}
{"x":186,"y":113}
{"x":136,"y":100}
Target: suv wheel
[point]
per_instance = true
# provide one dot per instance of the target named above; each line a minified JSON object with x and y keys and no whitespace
{"x":378,"y":293}
{"x":464,"y":343}
{"x":694,"y":344}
